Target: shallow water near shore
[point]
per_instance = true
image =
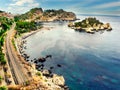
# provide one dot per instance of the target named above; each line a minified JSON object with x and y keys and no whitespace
{"x":89,"y":61}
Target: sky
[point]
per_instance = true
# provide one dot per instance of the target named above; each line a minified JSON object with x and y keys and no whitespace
{"x":100,"y":7}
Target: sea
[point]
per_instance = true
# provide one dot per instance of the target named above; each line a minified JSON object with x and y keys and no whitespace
{"x":88,"y":61}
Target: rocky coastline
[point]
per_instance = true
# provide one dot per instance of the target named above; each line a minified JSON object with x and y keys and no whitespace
{"x":50,"y":80}
{"x":41,"y":78}
{"x":90,"y":25}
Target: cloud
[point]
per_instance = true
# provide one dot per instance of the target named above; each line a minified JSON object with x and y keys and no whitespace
{"x":21,"y":2}
{"x":108,"y":5}
{"x":22,"y":6}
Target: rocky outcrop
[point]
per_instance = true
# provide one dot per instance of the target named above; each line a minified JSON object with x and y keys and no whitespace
{"x":42,"y":83}
{"x":58,"y":80}
{"x":90,"y":25}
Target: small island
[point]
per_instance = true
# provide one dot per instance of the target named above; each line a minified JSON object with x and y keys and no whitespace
{"x":90,"y":25}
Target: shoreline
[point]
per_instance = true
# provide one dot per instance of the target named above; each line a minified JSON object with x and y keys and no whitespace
{"x":27,"y":34}
{"x":20,"y":39}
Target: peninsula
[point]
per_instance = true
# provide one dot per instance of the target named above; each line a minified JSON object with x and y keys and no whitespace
{"x":90,"y":25}
{"x":38,"y":14}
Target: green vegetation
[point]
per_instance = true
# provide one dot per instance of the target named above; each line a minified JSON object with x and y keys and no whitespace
{"x":3,"y":62}
{"x":5,"y":24}
{"x":88,"y":22}
{"x":29,"y":14}
{"x":1,"y":79}
{"x":60,"y":13}
{"x":39,"y":14}
{"x":32,"y":12}
{"x":52,"y":12}
{"x":27,"y":83}
{"x":38,"y":73}
{"x":23,"y":26}
{"x":1,"y":11}
{"x":13,"y":42}
{"x":35,"y":9}
{"x":3,"y":88}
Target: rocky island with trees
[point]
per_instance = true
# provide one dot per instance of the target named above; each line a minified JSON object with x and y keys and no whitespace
{"x":90,"y":25}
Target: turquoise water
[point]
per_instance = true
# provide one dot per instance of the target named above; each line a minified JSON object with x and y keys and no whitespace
{"x":89,"y":61}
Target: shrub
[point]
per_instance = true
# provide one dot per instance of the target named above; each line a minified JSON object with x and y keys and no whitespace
{"x":1,"y":79}
{"x":3,"y":62}
{"x":38,"y":73}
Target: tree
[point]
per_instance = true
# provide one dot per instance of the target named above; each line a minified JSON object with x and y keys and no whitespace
{"x":3,"y":88}
{"x":1,"y":79}
{"x":23,"y":26}
{"x":3,"y":62}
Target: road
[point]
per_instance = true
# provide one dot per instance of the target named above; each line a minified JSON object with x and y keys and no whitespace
{"x":16,"y":66}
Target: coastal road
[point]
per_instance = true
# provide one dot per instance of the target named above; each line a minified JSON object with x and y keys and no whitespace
{"x":16,"y":66}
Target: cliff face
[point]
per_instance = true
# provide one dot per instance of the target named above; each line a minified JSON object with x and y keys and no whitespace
{"x":48,"y":15}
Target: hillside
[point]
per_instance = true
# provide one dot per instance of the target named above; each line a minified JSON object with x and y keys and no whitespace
{"x":30,"y":15}
{"x":47,"y":15}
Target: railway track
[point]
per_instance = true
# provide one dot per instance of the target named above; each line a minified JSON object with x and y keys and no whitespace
{"x":14,"y":62}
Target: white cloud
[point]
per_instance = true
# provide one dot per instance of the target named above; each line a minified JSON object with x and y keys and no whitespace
{"x":21,"y":2}
{"x":108,"y":5}
{"x":22,"y":6}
